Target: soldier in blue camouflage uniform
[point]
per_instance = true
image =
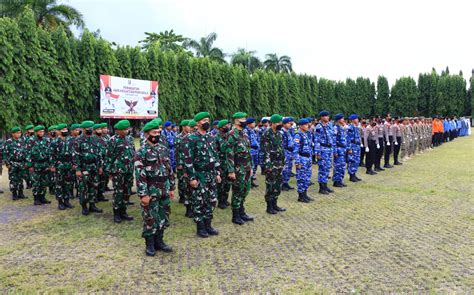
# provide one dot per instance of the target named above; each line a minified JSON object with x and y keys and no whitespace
{"x":155,"y":187}
{"x":223,"y":188}
{"x":288,"y":146}
{"x":62,"y":150}
{"x":340,"y":142}
{"x":37,"y":159}
{"x":238,"y":167}
{"x":89,"y":164}
{"x":203,"y":169}
{"x":354,"y":144}
{"x":273,"y":161}
{"x":214,"y":129}
{"x":254,"y":148}
{"x":119,"y":165}
{"x":14,"y":156}
{"x":170,"y":137}
{"x":303,"y":161}
{"x":324,"y":150}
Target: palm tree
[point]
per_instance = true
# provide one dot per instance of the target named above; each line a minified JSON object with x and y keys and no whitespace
{"x":246,"y":59}
{"x":168,"y":40}
{"x":278,"y":64}
{"x":48,"y":13}
{"x":204,"y":48}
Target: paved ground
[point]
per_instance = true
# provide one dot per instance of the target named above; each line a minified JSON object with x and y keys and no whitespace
{"x":410,"y":229}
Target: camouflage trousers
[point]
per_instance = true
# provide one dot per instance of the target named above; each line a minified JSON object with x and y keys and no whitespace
{"x":223,"y":188}
{"x":240,"y":186}
{"x":88,"y":185}
{"x":40,"y":181}
{"x":204,"y":197}
{"x":273,"y":181}
{"x":103,"y":180}
{"x":154,"y":215}
{"x":121,"y":182}
{"x":26,"y":176}
{"x":15,"y":175}
{"x":184,"y":190}
{"x":63,"y":184}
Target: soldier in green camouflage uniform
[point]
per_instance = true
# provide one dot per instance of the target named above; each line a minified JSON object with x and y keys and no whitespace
{"x":239,"y":167}
{"x":155,"y":186}
{"x":273,"y":161}
{"x":14,"y":156}
{"x":202,"y":167}
{"x":26,"y":138}
{"x":223,"y":188}
{"x":75,"y":133}
{"x":119,"y":164}
{"x":52,"y":135}
{"x":88,"y":161}
{"x":62,"y":150}
{"x":103,"y":149}
{"x":106,"y":136}
{"x":130,"y":183}
{"x":37,"y":159}
{"x":183,"y":183}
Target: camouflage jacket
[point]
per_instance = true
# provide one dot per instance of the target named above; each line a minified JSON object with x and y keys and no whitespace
{"x":272,"y":147}
{"x":200,"y":155}
{"x":119,"y":156}
{"x":62,"y":152}
{"x":14,"y":153}
{"x":38,"y":154}
{"x":237,"y":151}
{"x":87,"y":153}
{"x":153,"y":172}
{"x":179,"y":145}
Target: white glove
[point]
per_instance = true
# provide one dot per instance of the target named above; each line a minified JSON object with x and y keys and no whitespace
{"x":378,"y":146}
{"x":361,"y":145}
{"x":388,"y":143}
{"x":367,"y":149}
{"x":395,"y":143}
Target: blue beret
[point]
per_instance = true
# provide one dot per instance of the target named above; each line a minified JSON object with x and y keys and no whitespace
{"x":250,"y":120}
{"x":167,"y":123}
{"x":173,"y":125}
{"x":265,"y":120}
{"x":353,"y":117}
{"x":303,"y":121}
{"x":323,"y":113}
{"x":287,"y":120}
{"x":215,"y":122}
{"x":338,"y":117}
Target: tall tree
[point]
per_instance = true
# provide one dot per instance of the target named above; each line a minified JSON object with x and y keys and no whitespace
{"x":204,"y":47}
{"x":247,"y":59}
{"x":47,"y":13}
{"x":278,"y":64}
{"x":166,"y":40}
{"x":382,"y":106}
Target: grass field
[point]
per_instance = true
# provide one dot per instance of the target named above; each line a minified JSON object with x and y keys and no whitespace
{"x":410,"y":229}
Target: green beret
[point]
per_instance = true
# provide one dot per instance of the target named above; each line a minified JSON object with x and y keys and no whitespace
{"x":87,"y":124}
{"x":201,"y":115}
{"x":75,"y":126}
{"x":222,"y":123}
{"x":192,"y":123}
{"x":122,"y":125}
{"x":184,"y":123}
{"x":239,"y":115}
{"x":38,"y":128}
{"x":61,"y":126}
{"x":275,"y":118}
{"x":52,"y":127}
{"x":159,"y":121}
{"x":96,"y":126}
{"x":103,"y":125}
{"x":29,"y":127}
{"x":15,"y":129}
{"x":151,"y":125}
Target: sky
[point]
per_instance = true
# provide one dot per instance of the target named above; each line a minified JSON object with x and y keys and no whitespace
{"x":333,"y":39}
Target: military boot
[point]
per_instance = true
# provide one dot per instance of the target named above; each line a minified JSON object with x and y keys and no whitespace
{"x":201,"y":230}
{"x":236,"y":217}
{"x":160,"y":245}
{"x":150,"y":246}
{"x":85,"y":210}
{"x":243,"y":215}
{"x":124,"y":215}
{"x":117,"y":218}
{"x":276,"y":208}
{"x":93,"y":208}
{"x":322,"y":189}
{"x":210,"y":230}
{"x":270,"y":209}
{"x":61,"y":204}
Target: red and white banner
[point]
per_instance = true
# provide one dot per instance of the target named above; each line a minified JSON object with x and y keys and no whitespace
{"x":124,"y":98}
